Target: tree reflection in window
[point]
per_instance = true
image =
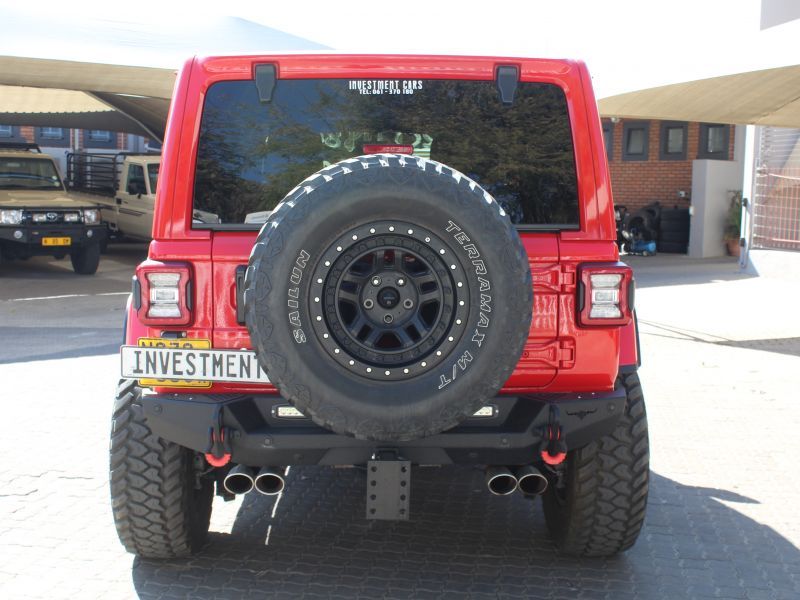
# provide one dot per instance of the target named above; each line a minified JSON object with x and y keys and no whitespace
{"x":251,"y":154}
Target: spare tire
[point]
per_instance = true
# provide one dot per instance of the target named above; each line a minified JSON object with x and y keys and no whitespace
{"x":388,"y":297}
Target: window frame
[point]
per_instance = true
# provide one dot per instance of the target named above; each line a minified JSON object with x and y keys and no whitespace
{"x":608,"y":128}
{"x":49,"y":141}
{"x":11,"y":132}
{"x":663,"y":145}
{"x":705,"y":128}
{"x":627,"y":127}
{"x":128,"y":179}
{"x":90,"y":142}
{"x":104,"y":138}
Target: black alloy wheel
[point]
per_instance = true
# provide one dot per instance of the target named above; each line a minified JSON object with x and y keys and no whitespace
{"x":388,"y":300}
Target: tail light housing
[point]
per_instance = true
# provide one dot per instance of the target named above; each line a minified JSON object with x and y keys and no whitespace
{"x":162,"y":293}
{"x":605,"y":294}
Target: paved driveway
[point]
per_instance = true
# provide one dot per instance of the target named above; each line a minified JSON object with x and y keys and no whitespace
{"x":722,"y":358}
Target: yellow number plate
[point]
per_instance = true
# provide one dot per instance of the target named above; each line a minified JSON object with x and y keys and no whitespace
{"x":56,"y":241}
{"x":179,"y":343}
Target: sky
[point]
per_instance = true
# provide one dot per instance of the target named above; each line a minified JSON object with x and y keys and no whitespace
{"x":628,"y":44}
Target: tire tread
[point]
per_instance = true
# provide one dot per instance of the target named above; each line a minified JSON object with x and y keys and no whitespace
{"x":152,"y":487}
{"x":607,"y":486}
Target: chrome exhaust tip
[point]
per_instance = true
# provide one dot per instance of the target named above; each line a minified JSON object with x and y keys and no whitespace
{"x":269,"y":482}
{"x":239,"y":480}
{"x":500,"y":481}
{"x":530,"y":480}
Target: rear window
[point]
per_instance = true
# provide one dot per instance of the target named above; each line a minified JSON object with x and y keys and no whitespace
{"x":251,"y":154}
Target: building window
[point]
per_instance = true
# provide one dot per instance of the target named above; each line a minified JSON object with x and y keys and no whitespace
{"x":97,"y":135}
{"x":608,"y":138}
{"x":714,"y":141}
{"x":6,"y":131}
{"x":673,"y":140}
{"x":635,"y":139}
{"x":51,"y":133}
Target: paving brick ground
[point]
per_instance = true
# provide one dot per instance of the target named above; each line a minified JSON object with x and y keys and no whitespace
{"x":722,"y":359}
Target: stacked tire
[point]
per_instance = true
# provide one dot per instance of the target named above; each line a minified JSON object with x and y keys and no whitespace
{"x":674,"y":231}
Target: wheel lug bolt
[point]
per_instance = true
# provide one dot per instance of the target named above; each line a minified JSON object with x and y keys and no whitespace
{"x":408,"y":303}
{"x":376,"y":281}
{"x":401,"y":281}
{"x":388,"y":319}
{"x":368,"y":303}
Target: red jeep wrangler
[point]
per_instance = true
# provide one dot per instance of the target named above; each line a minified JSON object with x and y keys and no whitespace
{"x":384,"y":262}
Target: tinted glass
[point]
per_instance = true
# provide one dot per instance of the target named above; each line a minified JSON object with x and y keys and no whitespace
{"x":152,"y":174}
{"x":608,"y":139}
{"x":716,"y":138}
{"x":136,"y":180}
{"x":28,"y":174}
{"x":674,"y":140}
{"x":55,"y":133}
{"x":635,"y":143}
{"x":251,"y":154}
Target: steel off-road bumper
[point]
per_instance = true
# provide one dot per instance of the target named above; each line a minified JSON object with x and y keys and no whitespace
{"x":255,"y":435}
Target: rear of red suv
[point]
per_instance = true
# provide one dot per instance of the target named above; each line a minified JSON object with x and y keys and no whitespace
{"x":387,"y":262}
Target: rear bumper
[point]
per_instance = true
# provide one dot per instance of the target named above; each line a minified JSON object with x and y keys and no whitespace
{"x":513,"y":435}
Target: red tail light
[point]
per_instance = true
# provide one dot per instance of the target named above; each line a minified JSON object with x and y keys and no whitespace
{"x":605,"y":294}
{"x":162,"y":293}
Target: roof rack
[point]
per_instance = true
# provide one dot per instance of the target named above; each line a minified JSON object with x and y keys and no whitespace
{"x":20,"y":146}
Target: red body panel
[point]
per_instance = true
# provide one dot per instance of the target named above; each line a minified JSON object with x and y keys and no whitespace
{"x":559,"y":355}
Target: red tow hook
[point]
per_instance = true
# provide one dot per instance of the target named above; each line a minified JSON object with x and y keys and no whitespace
{"x":549,"y":457}
{"x":213,"y":459}
{"x":218,"y":452}
{"x":553,"y":449}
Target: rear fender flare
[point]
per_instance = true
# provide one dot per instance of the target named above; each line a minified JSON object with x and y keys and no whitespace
{"x":629,"y":355}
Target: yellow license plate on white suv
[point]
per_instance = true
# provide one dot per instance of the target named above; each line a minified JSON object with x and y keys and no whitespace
{"x":56,"y":241}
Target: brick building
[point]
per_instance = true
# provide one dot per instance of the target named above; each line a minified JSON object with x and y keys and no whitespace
{"x":58,"y":141}
{"x":652,"y":160}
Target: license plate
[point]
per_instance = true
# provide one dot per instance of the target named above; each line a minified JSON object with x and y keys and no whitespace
{"x":56,"y":241}
{"x":167,"y":343}
{"x":188,"y":363}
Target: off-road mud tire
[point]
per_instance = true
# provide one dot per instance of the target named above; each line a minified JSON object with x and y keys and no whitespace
{"x":601,"y":509}
{"x":410,"y":200}
{"x":158,"y":508}
{"x":85,"y":260}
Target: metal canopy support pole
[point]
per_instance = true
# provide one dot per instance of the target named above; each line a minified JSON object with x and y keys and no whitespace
{"x":748,"y":194}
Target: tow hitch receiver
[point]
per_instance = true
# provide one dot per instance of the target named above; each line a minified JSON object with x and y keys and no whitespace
{"x":388,"y":487}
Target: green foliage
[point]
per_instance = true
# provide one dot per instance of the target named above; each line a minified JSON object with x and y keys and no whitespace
{"x":733,"y":225}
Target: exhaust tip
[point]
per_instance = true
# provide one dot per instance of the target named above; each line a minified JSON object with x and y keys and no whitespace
{"x":269,"y":482}
{"x":239,"y":480}
{"x":531,"y":482}
{"x":501,"y":481}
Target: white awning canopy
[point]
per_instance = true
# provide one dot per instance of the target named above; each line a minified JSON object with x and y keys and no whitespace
{"x":131,"y":96}
{"x":767,"y":97}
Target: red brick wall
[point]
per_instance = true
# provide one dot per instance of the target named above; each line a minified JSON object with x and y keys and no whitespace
{"x":637,"y":183}
{"x":27,"y":132}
